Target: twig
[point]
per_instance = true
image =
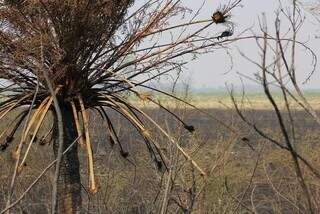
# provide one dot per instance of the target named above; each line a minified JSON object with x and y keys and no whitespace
{"x":60,"y":131}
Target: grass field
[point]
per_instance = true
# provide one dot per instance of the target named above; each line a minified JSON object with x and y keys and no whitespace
{"x":222,"y":100}
{"x":240,"y":180}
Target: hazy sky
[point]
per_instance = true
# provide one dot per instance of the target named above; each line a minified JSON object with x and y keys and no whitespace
{"x":208,"y":71}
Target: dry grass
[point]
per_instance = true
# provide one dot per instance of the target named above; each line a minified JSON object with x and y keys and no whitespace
{"x":231,"y":187}
{"x":223,"y":101}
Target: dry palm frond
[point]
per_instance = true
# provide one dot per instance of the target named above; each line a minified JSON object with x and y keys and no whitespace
{"x":171,"y":139}
{"x":42,"y":112}
{"x":77,"y":123}
{"x":112,"y":133}
{"x":92,"y":182}
{"x":144,"y":96}
{"x":12,"y":106}
{"x":34,"y":117}
{"x":17,"y":121}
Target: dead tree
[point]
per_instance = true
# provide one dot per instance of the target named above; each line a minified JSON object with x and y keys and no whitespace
{"x":67,"y":57}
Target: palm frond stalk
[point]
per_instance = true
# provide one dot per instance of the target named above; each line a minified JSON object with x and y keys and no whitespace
{"x":96,"y":53}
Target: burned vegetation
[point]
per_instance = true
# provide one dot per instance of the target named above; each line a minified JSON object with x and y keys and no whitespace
{"x":94,"y":56}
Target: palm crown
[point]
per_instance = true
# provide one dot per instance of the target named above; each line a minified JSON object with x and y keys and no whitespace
{"x":95,"y":54}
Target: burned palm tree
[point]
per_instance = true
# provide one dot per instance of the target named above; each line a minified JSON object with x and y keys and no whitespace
{"x":67,"y":57}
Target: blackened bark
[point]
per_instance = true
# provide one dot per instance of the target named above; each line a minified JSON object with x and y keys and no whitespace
{"x":69,"y":183}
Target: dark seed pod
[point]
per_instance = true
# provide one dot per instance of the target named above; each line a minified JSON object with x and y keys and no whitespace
{"x":111,"y":141}
{"x":245,"y":139}
{"x":4,"y":146}
{"x":218,"y":17}
{"x":189,"y":128}
{"x":9,"y":139}
{"x":159,"y":164}
{"x":226,"y":33}
{"x":42,"y":142}
{"x":124,"y":154}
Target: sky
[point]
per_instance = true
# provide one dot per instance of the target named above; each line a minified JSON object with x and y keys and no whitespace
{"x":209,"y":71}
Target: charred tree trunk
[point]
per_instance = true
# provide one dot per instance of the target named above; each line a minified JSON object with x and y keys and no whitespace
{"x":69,"y":183}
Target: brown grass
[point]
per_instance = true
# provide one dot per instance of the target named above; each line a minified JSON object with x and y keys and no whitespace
{"x":231,"y":186}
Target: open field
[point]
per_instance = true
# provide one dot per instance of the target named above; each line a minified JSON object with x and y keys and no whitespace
{"x":240,"y":179}
{"x":222,"y":100}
